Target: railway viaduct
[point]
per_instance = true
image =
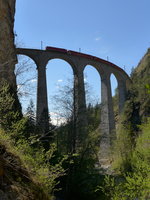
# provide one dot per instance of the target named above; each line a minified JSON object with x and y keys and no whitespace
{"x":78,"y":61}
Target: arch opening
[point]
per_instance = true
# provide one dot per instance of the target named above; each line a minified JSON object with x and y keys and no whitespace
{"x":115,"y":96}
{"x":26,"y":77}
{"x":59,"y":75}
{"x":92,"y":80}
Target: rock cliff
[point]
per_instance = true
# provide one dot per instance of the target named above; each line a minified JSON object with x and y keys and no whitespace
{"x":8,"y":57}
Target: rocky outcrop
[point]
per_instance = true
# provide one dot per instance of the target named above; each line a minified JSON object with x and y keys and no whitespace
{"x":16,"y":181}
{"x":8,"y":57}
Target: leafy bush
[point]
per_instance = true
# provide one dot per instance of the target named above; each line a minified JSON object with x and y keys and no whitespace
{"x":8,"y":114}
{"x":35,"y":160}
{"x":17,"y":136}
{"x":133,"y":183}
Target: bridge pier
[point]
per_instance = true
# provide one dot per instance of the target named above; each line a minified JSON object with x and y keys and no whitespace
{"x":42,"y":115}
{"x":107,"y":125}
{"x":80,"y":117}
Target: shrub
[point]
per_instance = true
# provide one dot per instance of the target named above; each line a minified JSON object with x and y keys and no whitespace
{"x":133,"y":183}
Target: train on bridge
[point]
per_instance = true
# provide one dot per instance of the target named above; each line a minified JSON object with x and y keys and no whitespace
{"x":75,"y":53}
{"x":83,"y":55}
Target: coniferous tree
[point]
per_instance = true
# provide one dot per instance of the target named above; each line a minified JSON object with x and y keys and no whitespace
{"x":30,"y":112}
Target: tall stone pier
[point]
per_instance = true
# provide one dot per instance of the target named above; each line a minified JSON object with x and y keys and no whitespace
{"x":80,"y":117}
{"x":107,"y":125}
{"x":42,"y":115}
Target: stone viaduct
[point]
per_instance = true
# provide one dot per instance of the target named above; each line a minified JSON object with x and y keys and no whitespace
{"x":78,"y":61}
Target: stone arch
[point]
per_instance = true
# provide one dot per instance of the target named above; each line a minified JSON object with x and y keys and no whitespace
{"x":97,"y":66}
{"x":65,"y":59}
{"x":30,"y":56}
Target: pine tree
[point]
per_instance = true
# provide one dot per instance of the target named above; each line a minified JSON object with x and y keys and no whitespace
{"x":30,"y":112}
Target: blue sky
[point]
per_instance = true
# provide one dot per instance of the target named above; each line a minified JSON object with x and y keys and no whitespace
{"x":116,"y":29}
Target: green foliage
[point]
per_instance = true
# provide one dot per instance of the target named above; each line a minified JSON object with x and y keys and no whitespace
{"x":131,"y":186}
{"x":110,"y":189}
{"x":64,"y":135}
{"x":134,"y":182}
{"x":39,"y":164}
{"x":136,"y":112}
{"x":81,"y":177}
{"x":131,"y":150}
{"x":8,"y":114}
{"x":115,"y":105}
{"x":18,"y":136}
{"x":30,"y":112}
{"x":93,"y":116}
{"x":22,"y":129}
{"x":139,"y":90}
{"x":122,"y":151}
{"x":36,"y":161}
{"x":148,"y":88}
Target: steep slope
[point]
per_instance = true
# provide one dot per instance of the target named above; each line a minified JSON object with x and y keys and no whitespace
{"x":136,"y":113}
{"x":144,"y":64}
{"x":141,"y":81}
{"x":16,"y":182}
{"x":131,"y":149}
{"x":138,"y":104}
